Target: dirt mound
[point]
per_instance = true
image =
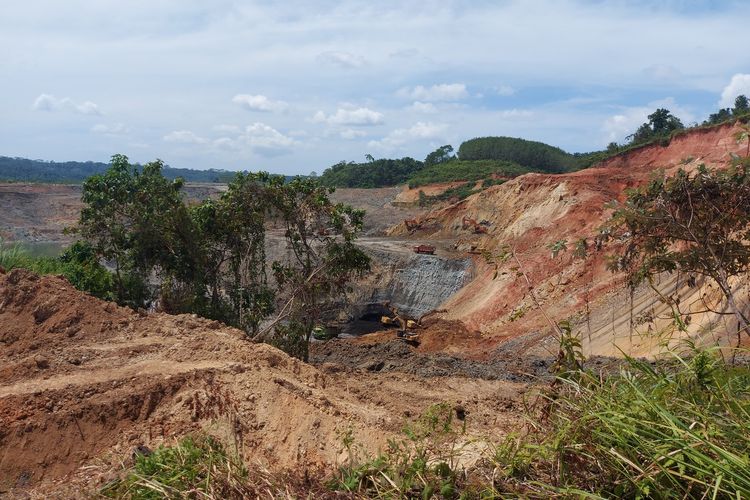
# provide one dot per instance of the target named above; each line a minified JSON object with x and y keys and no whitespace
{"x":84,"y":380}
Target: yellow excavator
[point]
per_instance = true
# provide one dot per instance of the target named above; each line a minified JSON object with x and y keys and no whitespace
{"x":405,"y":325}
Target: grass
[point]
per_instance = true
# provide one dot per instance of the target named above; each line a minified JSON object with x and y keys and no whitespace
{"x":196,"y":467}
{"x":674,"y":430}
{"x":78,"y":264}
{"x":678,"y":429}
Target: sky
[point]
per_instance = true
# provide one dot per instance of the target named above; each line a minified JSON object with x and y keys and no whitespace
{"x":294,"y":87}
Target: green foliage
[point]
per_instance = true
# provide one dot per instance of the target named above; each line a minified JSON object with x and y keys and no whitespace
{"x":557,"y":247}
{"x":25,"y":170}
{"x":195,"y":467}
{"x":440,"y":155}
{"x":532,"y":155}
{"x":78,"y":264}
{"x":422,"y":464}
{"x":660,"y":125}
{"x":210,"y":258}
{"x":132,"y":218}
{"x":697,"y":224}
{"x":741,"y":105}
{"x":658,"y":432}
{"x":372,"y":174}
{"x":459,"y":170}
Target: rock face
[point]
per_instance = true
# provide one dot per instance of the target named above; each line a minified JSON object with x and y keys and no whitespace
{"x":414,"y":284}
{"x":531,"y":214}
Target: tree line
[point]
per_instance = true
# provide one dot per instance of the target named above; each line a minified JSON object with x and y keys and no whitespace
{"x":13,"y":169}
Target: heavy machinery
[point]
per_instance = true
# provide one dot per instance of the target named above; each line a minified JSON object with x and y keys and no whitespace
{"x":424,"y":249}
{"x":477,"y":228}
{"x":405,"y":326}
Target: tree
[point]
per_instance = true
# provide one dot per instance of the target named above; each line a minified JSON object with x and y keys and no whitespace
{"x":698,"y":224}
{"x":440,"y":155}
{"x":661,"y":123}
{"x":720,"y":116}
{"x":210,"y":258}
{"x":741,"y":105}
{"x":128,"y":218}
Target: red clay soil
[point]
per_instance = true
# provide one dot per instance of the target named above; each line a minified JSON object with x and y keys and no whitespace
{"x":532,"y":212}
{"x":83,"y":382}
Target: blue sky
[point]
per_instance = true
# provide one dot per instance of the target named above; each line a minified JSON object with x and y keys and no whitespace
{"x":296,"y":86}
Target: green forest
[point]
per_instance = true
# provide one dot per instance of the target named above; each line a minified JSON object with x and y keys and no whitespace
{"x":75,"y":172}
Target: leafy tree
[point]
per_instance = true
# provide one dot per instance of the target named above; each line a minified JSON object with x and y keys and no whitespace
{"x":210,"y":258}
{"x":128,"y":218}
{"x":440,"y":155}
{"x":698,"y":224}
{"x":720,"y":116}
{"x":373,"y":173}
{"x":741,"y":105}
{"x":661,"y":123}
{"x":533,"y":155}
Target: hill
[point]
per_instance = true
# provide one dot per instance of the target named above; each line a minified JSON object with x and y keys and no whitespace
{"x":479,"y":158}
{"x":532,"y":213}
{"x":74,"y":172}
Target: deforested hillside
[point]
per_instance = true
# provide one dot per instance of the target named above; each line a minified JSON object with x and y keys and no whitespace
{"x":539,"y":223}
{"x":84,"y":382}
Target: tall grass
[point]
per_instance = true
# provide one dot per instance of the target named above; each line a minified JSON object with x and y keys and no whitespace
{"x":673,"y":430}
{"x":12,"y":255}
{"x":78,"y":264}
{"x":196,"y":467}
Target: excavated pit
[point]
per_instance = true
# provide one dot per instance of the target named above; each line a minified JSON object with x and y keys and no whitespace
{"x":414,"y":284}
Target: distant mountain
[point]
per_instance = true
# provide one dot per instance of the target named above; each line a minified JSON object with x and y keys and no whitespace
{"x":73,"y":172}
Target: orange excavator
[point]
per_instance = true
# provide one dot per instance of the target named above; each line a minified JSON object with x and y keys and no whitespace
{"x":469,"y":223}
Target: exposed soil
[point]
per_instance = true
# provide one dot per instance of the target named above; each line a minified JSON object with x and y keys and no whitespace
{"x":531,"y":213}
{"x":85,"y":381}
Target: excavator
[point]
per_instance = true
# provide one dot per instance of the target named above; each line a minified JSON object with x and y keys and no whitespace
{"x":476,"y":227}
{"x":405,"y":325}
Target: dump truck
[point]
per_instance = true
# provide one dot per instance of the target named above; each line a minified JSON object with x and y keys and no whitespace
{"x":424,"y":249}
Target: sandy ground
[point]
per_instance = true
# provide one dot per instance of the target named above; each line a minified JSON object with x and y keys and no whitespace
{"x":83,"y":382}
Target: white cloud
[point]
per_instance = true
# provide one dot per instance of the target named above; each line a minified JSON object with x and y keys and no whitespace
{"x":231,"y":129}
{"x":349,"y":133}
{"x":439,"y":92}
{"x":422,"y":107}
{"x":113,"y":129}
{"x":504,"y":90}
{"x":259,"y":103}
{"x":617,"y":127}
{"x":739,"y":85}
{"x":184,"y":137}
{"x":342,"y":59}
{"x":403,"y":136}
{"x":266,"y":140}
{"x":350,"y":117}
{"x":48,"y":102}
{"x":516,"y":113}
{"x":258,"y":138}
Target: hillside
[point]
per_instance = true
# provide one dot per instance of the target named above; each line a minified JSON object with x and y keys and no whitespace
{"x":84,"y":382}
{"x":477,"y":159}
{"x":532,"y":212}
